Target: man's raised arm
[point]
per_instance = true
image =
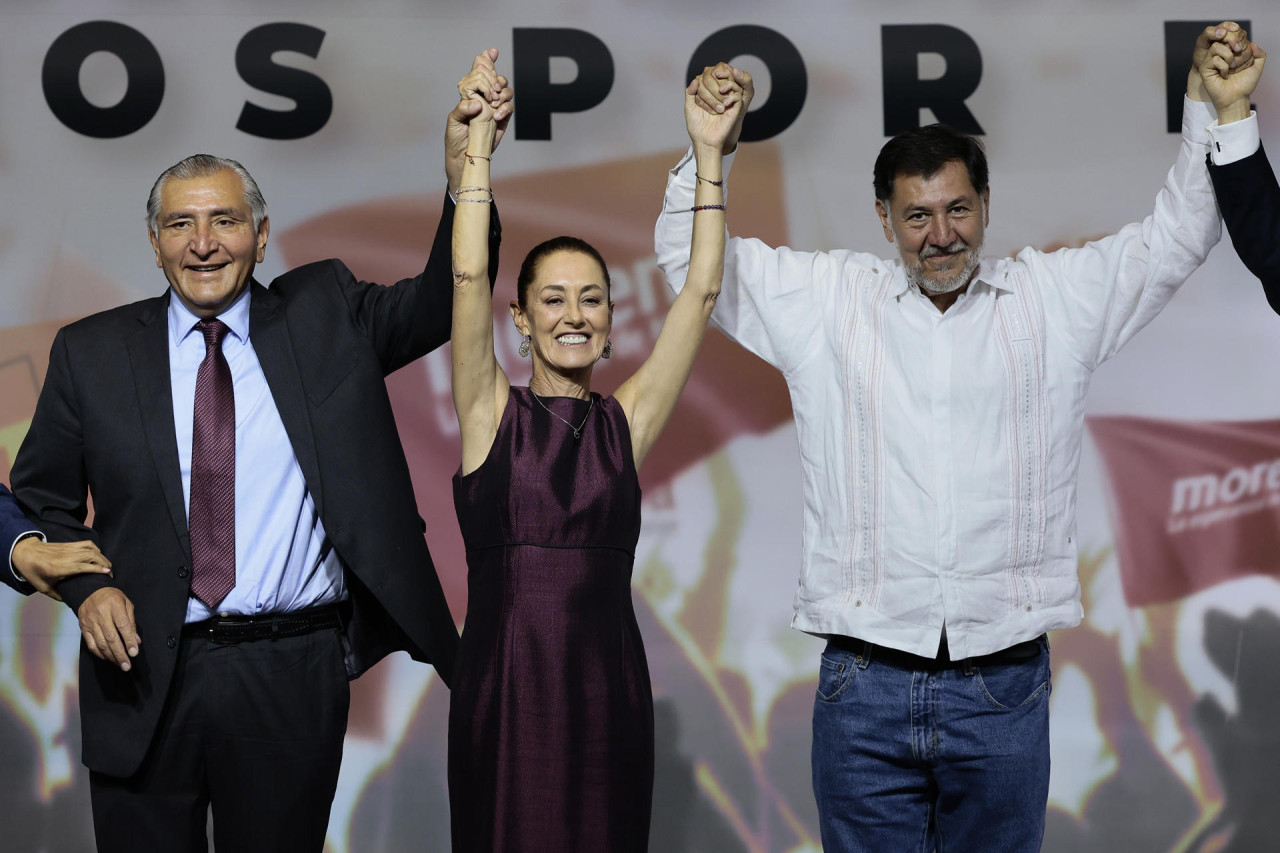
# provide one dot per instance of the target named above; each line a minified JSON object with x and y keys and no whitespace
{"x":1243,"y":181}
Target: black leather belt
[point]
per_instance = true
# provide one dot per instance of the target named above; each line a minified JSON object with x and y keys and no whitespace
{"x":269,"y":626}
{"x":1019,"y":653}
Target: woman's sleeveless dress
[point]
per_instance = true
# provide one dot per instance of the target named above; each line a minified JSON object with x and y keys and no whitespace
{"x":551,"y":713}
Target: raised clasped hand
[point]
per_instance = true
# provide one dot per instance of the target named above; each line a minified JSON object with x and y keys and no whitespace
{"x":485,"y":86}
{"x":1229,"y":66}
{"x":1232,"y":37}
{"x":720,"y":92}
{"x":711,"y":129}
{"x":484,"y":96}
{"x":722,"y":85}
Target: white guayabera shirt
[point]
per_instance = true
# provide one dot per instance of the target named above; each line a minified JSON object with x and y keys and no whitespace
{"x":939,"y":452}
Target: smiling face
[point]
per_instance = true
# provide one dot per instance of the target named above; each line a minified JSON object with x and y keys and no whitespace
{"x":938,"y":223}
{"x":206,"y":243}
{"x":567,"y":314}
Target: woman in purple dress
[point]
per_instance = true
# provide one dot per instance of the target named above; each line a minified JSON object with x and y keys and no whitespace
{"x":551,"y":715}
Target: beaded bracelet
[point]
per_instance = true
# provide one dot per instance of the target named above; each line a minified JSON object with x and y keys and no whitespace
{"x":488,"y":190}
{"x":698,"y":207}
{"x":471,"y":158}
{"x":708,"y":180}
{"x":475,"y":200}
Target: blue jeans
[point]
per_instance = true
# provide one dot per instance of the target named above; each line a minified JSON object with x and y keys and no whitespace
{"x":952,"y":760}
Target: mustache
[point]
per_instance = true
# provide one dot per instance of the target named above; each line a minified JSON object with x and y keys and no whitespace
{"x":954,"y":248}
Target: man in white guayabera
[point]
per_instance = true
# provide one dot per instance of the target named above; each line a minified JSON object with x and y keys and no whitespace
{"x":939,"y":405}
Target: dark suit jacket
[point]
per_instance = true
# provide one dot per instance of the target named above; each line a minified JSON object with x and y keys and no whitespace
{"x":104,"y":424}
{"x":1249,"y":199}
{"x":12,"y":525}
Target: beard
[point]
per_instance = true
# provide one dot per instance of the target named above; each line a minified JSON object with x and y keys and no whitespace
{"x":916,"y":275}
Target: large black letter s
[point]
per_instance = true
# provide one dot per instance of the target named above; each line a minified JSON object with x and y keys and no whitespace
{"x":310,"y":93}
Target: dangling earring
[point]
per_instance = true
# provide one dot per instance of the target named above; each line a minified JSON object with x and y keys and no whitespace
{"x":608,"y":350}
{"x":523,"y":349}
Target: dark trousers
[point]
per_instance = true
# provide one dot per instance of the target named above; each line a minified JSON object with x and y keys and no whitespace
{"x":252,"y":730}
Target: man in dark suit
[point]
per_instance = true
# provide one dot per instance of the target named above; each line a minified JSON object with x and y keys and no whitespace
{"x":1247,"y":191}
{"x":36,"y":565}
{"x":249,"y":483}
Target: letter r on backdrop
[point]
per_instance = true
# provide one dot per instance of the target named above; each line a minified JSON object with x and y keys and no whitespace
{"x":905,"y":93}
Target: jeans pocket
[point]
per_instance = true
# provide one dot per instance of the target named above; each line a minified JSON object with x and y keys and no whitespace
{"x":1014,"y":685}
{"x":835,"y":673}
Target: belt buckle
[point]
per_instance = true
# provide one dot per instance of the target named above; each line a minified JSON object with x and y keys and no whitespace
{"x":222,"y":629}
{"x":219,"y":635}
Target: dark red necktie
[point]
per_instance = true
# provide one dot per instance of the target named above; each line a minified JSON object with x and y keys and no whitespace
{"x":211,"y":516}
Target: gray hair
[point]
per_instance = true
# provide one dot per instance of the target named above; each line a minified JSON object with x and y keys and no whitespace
{"x":202,"y":166}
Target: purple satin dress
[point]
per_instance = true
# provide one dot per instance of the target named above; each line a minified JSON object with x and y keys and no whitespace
{"x":551,"y":713}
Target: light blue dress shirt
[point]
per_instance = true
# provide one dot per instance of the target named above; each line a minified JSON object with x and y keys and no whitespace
{"x":284,"y":561}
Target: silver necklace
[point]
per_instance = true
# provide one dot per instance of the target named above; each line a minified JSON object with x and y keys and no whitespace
{"x":577,"y":430}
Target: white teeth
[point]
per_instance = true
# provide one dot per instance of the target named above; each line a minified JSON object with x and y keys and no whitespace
{"x":569,"y":340}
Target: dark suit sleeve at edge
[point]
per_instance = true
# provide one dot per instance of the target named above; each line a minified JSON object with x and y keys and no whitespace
{"x":48,"y":475}
{"x":1249,"y":198}
{"x":415,"y":316}
{"x":13,"y":524}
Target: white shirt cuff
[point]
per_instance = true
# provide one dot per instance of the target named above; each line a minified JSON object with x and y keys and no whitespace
{"x":1235,"y":141}
{"x":19,"y":538}
{"x":1196,"y":118}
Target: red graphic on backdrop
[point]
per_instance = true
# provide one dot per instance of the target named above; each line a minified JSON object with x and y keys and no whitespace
{"x":730,"y":391}
{"x":1195,"y":504}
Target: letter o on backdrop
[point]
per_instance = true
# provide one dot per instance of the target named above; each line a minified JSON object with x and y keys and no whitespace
{"x":60,"y":79}
{"x":790,"y":81}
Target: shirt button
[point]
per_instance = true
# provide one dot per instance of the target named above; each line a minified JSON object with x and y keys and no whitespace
{"x":1028,"y":608}
{"x":171,"y":642}
{"x":182,"y":571}
{"x":858,"y":603}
